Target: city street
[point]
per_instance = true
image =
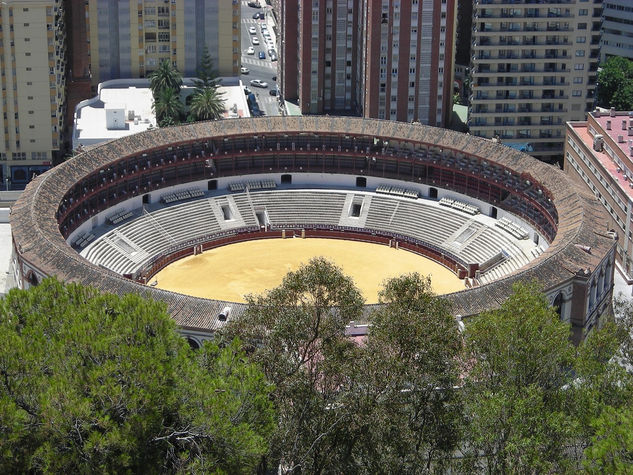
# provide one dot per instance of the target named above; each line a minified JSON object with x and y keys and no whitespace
{"x":263,"y":69}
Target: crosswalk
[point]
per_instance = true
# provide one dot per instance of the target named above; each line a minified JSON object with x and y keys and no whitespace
{"x":251,"y":21}
{"x":261,"y":2}
{"x":265,"y":98}
{"x":259,"y":62}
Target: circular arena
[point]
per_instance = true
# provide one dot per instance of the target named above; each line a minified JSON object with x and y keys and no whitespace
{"x":116,"y":215}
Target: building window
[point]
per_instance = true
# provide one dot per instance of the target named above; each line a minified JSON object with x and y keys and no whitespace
{"x":582,"y":26}
{"x":579,"y":66}
{"x":583,"y":12}
{"x":580,"y":52}
{"x":581,"y":39}
{"x":576,"y":93}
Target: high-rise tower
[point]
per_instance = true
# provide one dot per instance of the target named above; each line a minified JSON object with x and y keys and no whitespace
{"x":387,"y":59}
{"x":534,"y":67}
{"x":33,"y":66}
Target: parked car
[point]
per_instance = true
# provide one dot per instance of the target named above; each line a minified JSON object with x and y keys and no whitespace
{"x":273,"y":92}
{"x":254,"y":5}
{"x":274,"y":78}
{"x":259,"y":83}
{"x":252,"y":30}
{"x":273,"y":57}
{"x":244,"y":70}
{"x":264,"y":27}
{"x":250,"y":50}
{"x":256,"y":15}
{"x":262,"y":55}
{"x":255,"y":40}
{"x":271,"y":51}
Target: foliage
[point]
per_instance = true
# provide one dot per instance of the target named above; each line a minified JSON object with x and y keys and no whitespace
{"x":607,"y":395}
{"x":206,"y":73}
{"x":386,"y":405}
{"x":612,"y":448}
{"x":165,"y":84}
{"x":407,"y":406}
{"x":299,"y":329}
{"x":168,"y":107}
{"x":615,"y":84}
{"x":101,"y":383}
{"x":207,"y":104}
{"x":516,"y":405}
{"x":165,"y":77}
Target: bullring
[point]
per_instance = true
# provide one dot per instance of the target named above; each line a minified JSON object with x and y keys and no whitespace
{"x":228,"y":162}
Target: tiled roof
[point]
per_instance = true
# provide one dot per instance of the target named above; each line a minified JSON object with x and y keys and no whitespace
{"x":38,"y":239}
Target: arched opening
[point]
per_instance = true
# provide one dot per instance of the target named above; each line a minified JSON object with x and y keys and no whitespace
{"x":31,"y":278}
{"x":433,"y":193}
{"x":558,"y":304}
{"x":193,"y":343}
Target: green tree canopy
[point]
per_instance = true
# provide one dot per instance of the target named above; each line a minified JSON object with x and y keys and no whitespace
{"x":168,"y":107}
{"x":299,"y":328}
{"x":520,"y":361}
{"x":101,"y":383}
{"x":207,"y":104}
{"x":206,"y":73}
{"x":615,"y":84}
{"x":405,"y":402}
{"x":165,"y":77}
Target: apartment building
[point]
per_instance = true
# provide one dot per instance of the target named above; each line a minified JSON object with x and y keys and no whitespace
{"x":534,"y":67}
{"x":599,"y":157}
{"x":129,"y":38}
{"x":617,"y":29}
{"x":386,"y":59}
{"x":33,"y":65}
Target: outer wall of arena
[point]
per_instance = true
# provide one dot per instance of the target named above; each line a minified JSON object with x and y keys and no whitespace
{"x":576,"y":269}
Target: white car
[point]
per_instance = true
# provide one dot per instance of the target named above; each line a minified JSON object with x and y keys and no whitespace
{"x":244,"y":70}
{"x":255,"y":41}
{"x":250,"y":50}
{"x":259,"y":83}
{"x":252,"y":30}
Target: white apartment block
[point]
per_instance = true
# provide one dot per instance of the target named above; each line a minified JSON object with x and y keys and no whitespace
{"x":33,"y":68}
{"x":534,"y":67}
{"x":617,"y":29}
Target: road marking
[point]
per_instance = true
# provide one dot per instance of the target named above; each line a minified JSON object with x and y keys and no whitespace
{"x":259,"y":62}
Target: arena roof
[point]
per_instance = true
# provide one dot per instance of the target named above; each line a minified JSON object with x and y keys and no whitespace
{"x":581,"y":242}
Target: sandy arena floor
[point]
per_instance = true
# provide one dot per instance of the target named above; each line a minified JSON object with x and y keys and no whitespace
{"x":230,"y":272}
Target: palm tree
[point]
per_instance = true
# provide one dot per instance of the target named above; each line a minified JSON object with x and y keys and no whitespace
{"x":207,"y":104}
{"x":167,"y":107}
{"x":166,"y":76}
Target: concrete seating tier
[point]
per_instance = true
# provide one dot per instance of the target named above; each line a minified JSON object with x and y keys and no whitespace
{"x":512,"y":228}
{"x":460,"y":206}
{"x":133,"y":244}
{"x":398,"y":191}
{"x":299,"y":206}
{"x":252,"y":185}
{"x":119,"y":217}
{"x":181,"y":195}
{"x":83,"y":240}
